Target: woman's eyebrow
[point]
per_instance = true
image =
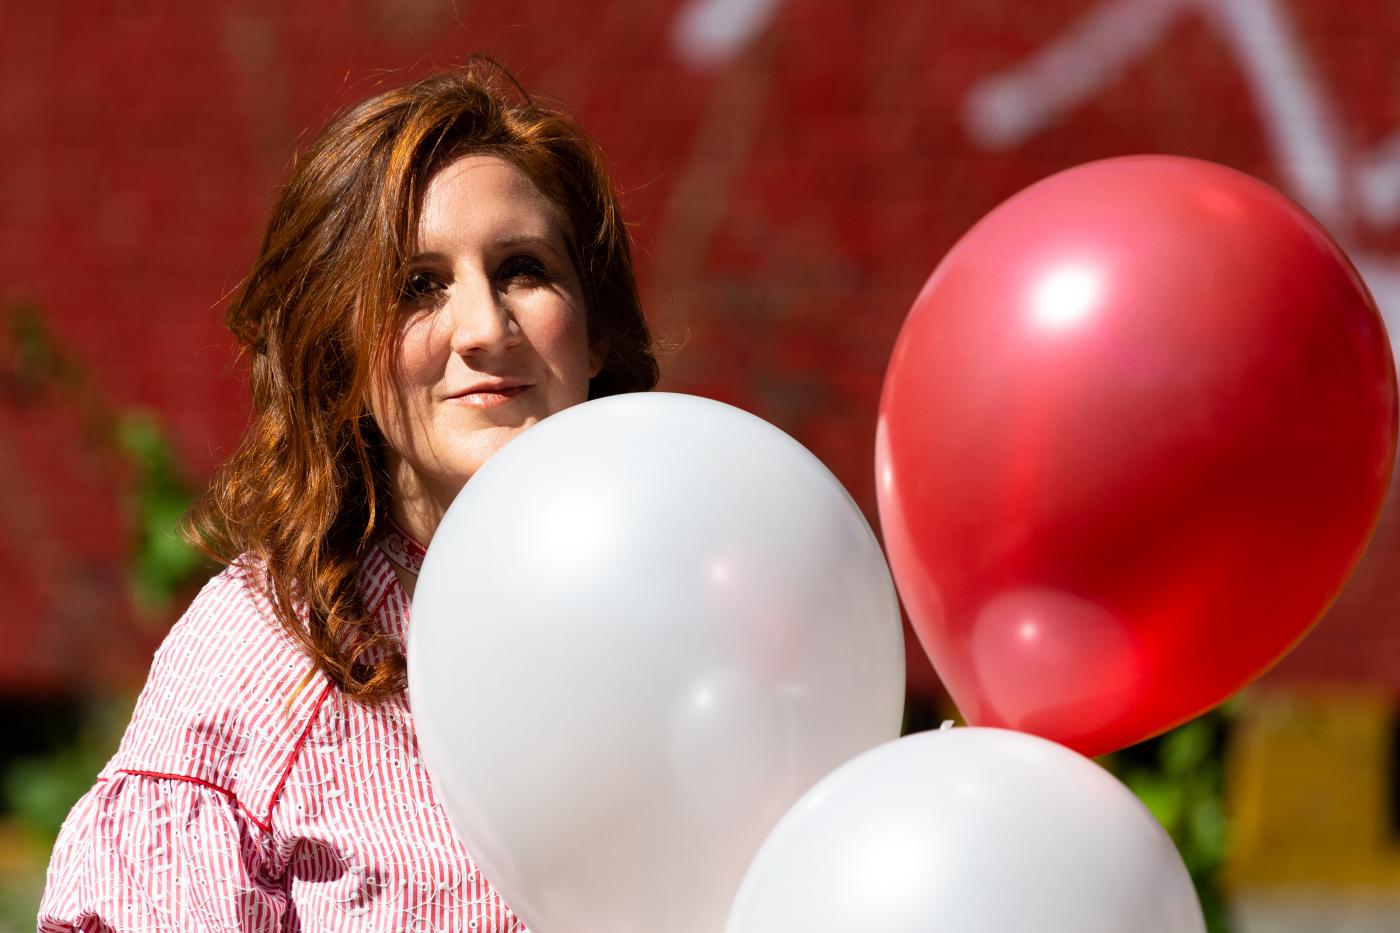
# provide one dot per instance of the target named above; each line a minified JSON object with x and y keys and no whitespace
{"x":506,"y":242}
{"x":527,"y":239}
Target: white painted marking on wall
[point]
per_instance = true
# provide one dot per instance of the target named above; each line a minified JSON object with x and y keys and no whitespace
{"x":706,"y":33}
{"x":1343,"y":188}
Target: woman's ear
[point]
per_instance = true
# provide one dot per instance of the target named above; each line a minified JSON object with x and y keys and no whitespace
{"x":597,"y":355}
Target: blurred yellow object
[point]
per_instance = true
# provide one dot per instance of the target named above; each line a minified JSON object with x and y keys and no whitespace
{"x":1309,"y":781}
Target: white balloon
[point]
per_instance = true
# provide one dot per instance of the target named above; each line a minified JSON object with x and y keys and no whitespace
{"x":645,"y":627}
{"x":968,"y":831}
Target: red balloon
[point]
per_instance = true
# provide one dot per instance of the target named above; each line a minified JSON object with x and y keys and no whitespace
{"x":1135,"y":433}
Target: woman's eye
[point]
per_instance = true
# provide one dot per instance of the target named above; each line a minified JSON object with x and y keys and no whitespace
{"x":524,"y":268}
{"x":420,"y":286}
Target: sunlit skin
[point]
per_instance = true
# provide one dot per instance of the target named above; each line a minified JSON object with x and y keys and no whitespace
{"x":494,"y":338}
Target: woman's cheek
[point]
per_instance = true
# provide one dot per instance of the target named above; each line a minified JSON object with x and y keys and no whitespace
{"x":419,"y":350}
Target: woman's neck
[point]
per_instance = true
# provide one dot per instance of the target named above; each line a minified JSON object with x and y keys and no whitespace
{"x":416,"y":505}
{"x":409,"y":581}
{"x":417,"y":516}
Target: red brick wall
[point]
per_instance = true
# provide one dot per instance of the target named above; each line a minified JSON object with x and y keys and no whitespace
{"x":790,"y":188}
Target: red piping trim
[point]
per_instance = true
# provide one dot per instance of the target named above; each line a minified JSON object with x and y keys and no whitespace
{"x":265,"y":824}
{"x":296,"y":750}
{"x":265,"y":827}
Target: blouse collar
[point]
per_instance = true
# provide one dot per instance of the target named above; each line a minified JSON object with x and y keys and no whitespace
{"x":401,"y":548}
{"x":380,"y":588}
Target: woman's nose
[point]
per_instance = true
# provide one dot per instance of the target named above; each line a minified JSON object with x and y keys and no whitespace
{"x":482,"y":321}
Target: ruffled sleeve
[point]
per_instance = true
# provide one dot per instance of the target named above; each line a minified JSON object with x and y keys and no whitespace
{"x":177,"y":833}
{"x":154,"y":853}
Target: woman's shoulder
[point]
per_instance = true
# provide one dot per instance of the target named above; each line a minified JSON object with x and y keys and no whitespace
{"x":228,"y":645}
{"x":229,"y":699}
{"x":230,"y":623}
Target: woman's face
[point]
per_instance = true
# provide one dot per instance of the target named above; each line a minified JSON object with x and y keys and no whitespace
{"x":494,"y":334}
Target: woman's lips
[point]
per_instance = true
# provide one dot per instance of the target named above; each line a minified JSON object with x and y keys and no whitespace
{"x":489,"y":398}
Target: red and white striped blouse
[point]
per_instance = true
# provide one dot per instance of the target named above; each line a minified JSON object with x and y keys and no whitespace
{"x":227,"y":807}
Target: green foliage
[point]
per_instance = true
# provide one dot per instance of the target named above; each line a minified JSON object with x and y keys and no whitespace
{"x":38,"y":792}
{"x":37,"y":364}
{"x":161,"y":564}
{"x":153,"y":485}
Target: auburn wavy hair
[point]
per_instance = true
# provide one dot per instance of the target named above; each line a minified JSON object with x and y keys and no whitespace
{"x":303,"y":495}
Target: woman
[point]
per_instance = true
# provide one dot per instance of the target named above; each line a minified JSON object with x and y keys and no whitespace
{"x":446,"y":266}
